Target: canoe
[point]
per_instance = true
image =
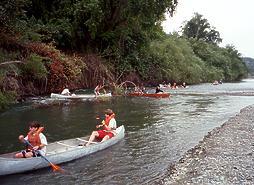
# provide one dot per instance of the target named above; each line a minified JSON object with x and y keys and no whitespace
{"x":78,"y":96}
{"x":57,"y":152}
{"x":164,"y":86}
{"x":152,"y":95}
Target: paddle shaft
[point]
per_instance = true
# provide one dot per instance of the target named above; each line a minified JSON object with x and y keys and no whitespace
{"x":55,"y":167}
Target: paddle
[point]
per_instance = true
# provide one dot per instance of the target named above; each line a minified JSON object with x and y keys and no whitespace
{"x":53,"y":166}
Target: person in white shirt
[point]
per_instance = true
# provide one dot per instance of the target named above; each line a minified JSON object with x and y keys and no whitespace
{"x":66,"y":92}
{"x":37,"y":142}
{"x":109,"y":126}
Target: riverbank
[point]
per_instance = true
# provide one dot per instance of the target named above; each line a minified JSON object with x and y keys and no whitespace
{"x":225,"y":156}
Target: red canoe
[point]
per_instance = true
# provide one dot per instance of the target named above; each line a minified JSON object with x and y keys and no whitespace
{"x":152,"y":95}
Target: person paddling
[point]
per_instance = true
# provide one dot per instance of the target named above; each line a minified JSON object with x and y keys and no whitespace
{"x":158,"y":90}
{"x":37,"y":140}
{"x":109,"y":125}
{"x":98,"y":88}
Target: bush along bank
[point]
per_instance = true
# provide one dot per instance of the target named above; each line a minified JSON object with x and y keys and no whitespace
{"x":35,"y":68}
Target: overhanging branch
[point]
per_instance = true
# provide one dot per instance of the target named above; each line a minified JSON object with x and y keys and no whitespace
{"x":11,"y":62}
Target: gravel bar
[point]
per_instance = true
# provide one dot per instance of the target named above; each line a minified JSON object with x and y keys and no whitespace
{"x":225,"y":155}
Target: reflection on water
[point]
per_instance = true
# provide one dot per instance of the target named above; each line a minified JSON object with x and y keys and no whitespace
{"x":158,"y":132}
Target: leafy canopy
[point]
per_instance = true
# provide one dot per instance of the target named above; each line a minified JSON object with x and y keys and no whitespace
{"x":199,"y":28}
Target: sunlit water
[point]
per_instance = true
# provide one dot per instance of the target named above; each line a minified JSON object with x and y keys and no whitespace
{"x":158,"y":133}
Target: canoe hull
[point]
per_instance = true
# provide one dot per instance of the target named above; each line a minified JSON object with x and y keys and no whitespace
{"x":77,"y":97}
{"x":154,"y":95}
{"x":64,"y":153}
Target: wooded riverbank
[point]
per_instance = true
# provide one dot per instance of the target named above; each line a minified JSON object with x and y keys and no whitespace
{"x":47,"y":45}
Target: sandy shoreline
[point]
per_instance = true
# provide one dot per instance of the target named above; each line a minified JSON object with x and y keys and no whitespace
{"x":224,"y":156}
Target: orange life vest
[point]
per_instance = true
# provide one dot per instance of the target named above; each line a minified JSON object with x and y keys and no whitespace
{"x":107,"y":120}
{"x":34,"y":138}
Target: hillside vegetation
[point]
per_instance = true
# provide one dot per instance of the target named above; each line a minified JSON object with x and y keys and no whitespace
{"x":47,"y":45}
{"x":250,"y":64}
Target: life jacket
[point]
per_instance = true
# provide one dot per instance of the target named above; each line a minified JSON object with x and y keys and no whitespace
{"x":107,"y":120}
{"x":34,"y":138}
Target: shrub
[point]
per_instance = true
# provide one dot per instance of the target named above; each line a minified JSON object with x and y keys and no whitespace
{"x":34,"y":67}
{"x":6,"y":98}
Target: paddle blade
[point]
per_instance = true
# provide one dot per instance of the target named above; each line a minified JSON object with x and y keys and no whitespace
{"x":56,"y":168}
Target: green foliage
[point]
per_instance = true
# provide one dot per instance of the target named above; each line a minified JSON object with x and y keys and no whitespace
{"x":28,"y":29}
{"x":249,"y":62}
{"x":34,"y":67}
{"x":200,"y":29}
{"x":97,"y":24}
{"x":222,"y":63}
{"x":8,"y":55}
{"x":6,"y":98}
{"x":10,"y":10}
{"x":172,"y":59}
{"x":188,"y":60}
{"x":8,"y":69}
{"x":238,"y":69}
{"x":126,"y":34}
{"x":119,"y":29}
{"x":89,"y":14}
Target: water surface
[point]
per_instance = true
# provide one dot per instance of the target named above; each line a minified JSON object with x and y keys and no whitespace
{"x":158,"y":132}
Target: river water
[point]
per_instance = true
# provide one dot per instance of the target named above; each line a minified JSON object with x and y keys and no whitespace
{"x":158,"y":132}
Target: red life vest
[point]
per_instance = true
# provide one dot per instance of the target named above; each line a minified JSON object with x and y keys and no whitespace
{"x":34,"y":137}
{"x":107,"y":120}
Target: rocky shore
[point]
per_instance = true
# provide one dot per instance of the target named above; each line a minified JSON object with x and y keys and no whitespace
{"x":225,"y":156}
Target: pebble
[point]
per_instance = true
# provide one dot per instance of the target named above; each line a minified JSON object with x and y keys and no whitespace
{"x":223,"y":157}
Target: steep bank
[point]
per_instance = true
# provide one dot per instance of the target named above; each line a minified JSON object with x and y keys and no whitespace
{"x":225,"y":156}
{"x":34,"y":68}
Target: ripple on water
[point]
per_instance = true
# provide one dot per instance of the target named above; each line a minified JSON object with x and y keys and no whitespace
{"x":158,"y":133}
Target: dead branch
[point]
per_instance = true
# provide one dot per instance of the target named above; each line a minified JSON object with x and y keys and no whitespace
{"x":11,"y":62}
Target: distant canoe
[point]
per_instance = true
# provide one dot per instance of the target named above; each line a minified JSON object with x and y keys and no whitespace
{"x":151,"y":95}
{"x":57,"y":152}
{"x":79,"y":96}
{"x":164,"y":86}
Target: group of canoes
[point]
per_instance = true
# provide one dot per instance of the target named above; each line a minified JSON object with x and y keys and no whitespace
{"x":65,"y":94}
{"x":138,"y":91}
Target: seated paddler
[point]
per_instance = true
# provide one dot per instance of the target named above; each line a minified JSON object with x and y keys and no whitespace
{"x":35,"y":141}
{"x":108,"y":126}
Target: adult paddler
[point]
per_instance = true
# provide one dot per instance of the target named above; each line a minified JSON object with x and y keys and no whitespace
{"x":36,"y":138}
{"x":109,"y":125}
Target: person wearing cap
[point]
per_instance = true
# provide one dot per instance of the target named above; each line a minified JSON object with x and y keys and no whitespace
{"x":36,"y":139}
{"x":108,"y":125}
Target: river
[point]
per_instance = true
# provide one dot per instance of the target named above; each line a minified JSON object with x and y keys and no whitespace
{"x":158,"y":132}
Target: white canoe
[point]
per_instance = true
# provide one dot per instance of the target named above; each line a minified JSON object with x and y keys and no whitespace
{"x":57,"y":152}
{"x":78,"y":96}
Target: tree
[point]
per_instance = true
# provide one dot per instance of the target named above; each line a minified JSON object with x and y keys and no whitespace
{"x":10,"y":10}
{"x":200,"y":29}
